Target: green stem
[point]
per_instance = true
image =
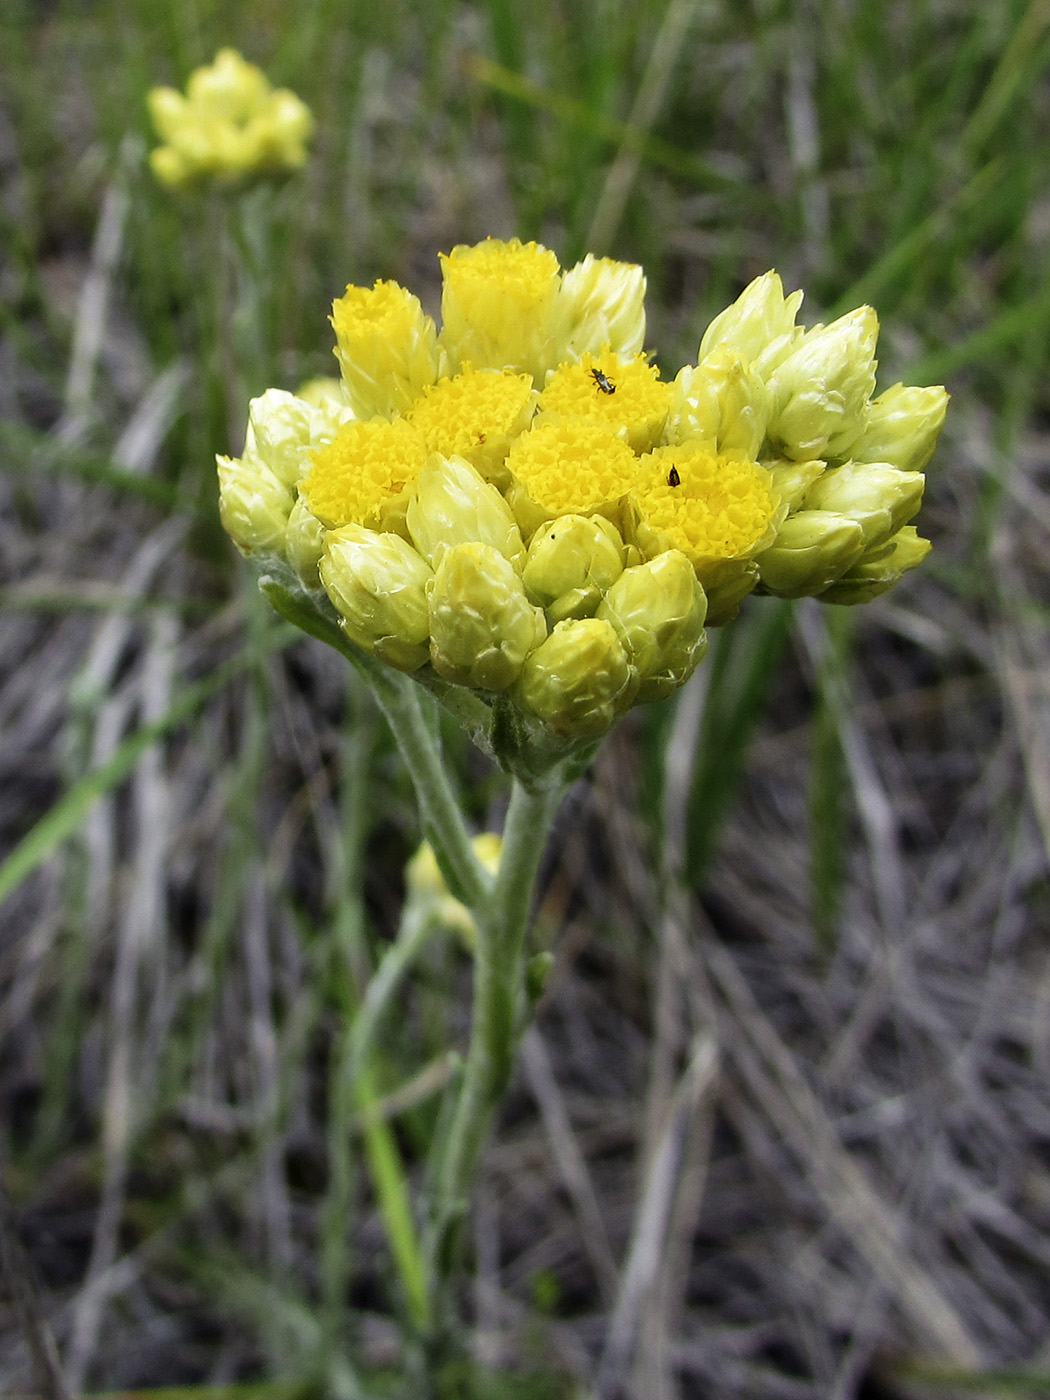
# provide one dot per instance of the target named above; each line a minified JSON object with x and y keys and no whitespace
{"x":443,"y":823}
{"x":495,"y":1025}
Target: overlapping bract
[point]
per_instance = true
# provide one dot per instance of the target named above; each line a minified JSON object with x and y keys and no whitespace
{"x":522,"y":504}
{"x":230,"y":125}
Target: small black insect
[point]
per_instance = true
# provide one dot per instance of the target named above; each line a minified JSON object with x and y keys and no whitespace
{"x":673,"y":479}
{"x":603,"y":382}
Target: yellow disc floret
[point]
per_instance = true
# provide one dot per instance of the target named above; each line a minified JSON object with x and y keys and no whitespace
{"x":363,"y":475}
{"x":499,"y":305}
{"x":572,"y":465}
{"x":476,"y":414}
{"x":705,"y":504}
{"x":719,"y":511}
{"x":621,"y":393}
{"x":386,"y":347}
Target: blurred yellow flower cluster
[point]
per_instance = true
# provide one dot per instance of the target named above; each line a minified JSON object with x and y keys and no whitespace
{"x":521,"y":503}
{"x":230,"y":125}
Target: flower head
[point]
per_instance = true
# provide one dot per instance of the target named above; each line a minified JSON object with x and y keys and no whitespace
{"x":230,"y":125}
{"x":363,"y":475}
{"x":386,"y":347}
{"x":624,"y":393}
{"x":499,"y":304}
{"x":520,"y":505}
{"x":569,"y":466}
{"x":718,"y":511}
{"x":476,"y":414}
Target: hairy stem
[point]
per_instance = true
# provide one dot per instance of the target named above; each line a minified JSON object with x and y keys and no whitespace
{"x":498,"y":998}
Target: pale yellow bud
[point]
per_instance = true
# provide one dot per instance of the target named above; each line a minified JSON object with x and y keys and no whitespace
{"x":812,"y":549}
{"x":579,"y":679}
{"x":169,"y":166}
{"x":499,"y":306}
{"x":760,"y":324}
{"x":820,"y":391}
{"x":254,"y":505}
{"x":571,"y":561}
{"x":601,"y":305}
{"x":327,"y":394}
{"x":879,"y":569}
{"x":727,"y":588}
{"x":386,"y":347}
{"x":304,"y":543}
{"x":657,"y":610}
{"x":426,"y":888}
{"x":879,"y":497}
{"x":167,"y":109}
{"x":791,"y":480}
{"x":721,"y":402}
{"x":229,"y":87}
{"x":482,"y":626}
{"x":377,"y":583}
{"x":902,"y":427}
{"x":284,"y":430}
{"x":453,"y":504}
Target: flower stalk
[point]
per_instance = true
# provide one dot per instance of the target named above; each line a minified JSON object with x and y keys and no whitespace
{"x":515,"y":513}
{"x":497,"y":1022}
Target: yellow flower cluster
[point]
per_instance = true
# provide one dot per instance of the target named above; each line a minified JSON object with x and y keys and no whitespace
{"x":230,"y":125}
{"x":519,"y":503}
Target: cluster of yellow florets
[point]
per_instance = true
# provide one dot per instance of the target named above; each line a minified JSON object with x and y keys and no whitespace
{"x":521,"y":503}
{"x":230,"y":125}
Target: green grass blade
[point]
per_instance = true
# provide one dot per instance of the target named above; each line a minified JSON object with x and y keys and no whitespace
{"x":743,"y":664}
{"x":70,"y":810}
{"x":388,"y":1177}
{"x":573,"y":112}
{"x":1006,"y":1380}
{"x":25,"y":450}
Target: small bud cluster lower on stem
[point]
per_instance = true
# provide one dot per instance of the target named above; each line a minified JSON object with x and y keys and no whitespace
{"x":519,"y":504}
{"x":230,"y":126}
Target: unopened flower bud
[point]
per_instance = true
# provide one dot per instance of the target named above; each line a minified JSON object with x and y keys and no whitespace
{"x":304,"y":543}
{"x":482,"y":626}
{"x":902,"y":427}
{"x":760,"y":324}
{"x":821,"y":389}
{"x":386,"y":347}
{"x":570,"y":563}
{"x":792,"y":480}
{"x":722,"y":402}
{"x":727,"y":588}
{"x":454,"y":505}
{"x":658,"y":610}
{"x":879,"y":569}
{"x":579,"y":679}
{"x":283,"y":430}
{"x":601,"y":304}
{"x":426,"y":889}
{"x":879,"y":497}
{"x":377,"y":583}
{"x":327,"y":394}
{"x":812,"y":549}
{"x":254,"y":505}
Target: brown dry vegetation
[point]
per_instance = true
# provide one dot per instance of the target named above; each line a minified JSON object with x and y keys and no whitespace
{"x":782,"y":1127}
